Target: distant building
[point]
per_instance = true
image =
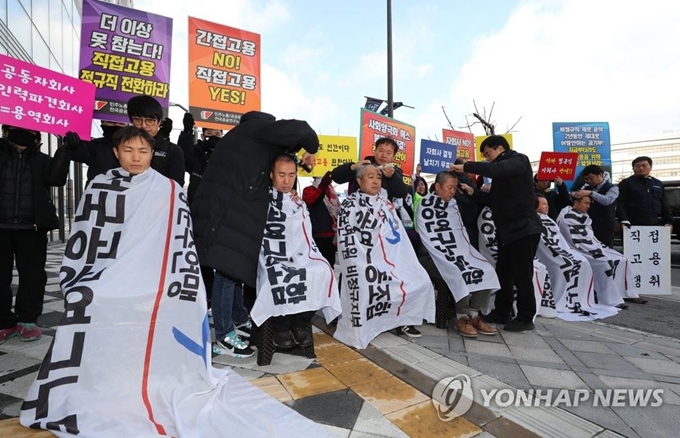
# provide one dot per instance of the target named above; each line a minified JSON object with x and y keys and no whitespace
{"x":663,"y":149}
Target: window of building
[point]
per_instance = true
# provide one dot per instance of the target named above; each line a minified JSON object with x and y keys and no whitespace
{"x":3,"y":11}
{"x":56,"y":40}
{"x":41,"y":53}
{"x":19,"y":22}
{"x":41,"y":17}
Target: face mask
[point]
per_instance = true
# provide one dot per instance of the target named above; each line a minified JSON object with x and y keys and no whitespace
{"x":211,"y":142}
{"x":109,"y":131}
{"x":21,"y":137}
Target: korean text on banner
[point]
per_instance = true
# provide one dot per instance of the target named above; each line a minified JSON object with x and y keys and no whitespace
{"x":557,"y":165}
{"x":648,"y":250}
{"x":464,"y":141}
{"x":375,"y":126}
{"x":478,"y":142}
{"x":125,"y":53}
{"x":589,"y":140}
{"x":36,"y":98}
{"x":334,"y":150}
{"x":224,"y":73}
{"x":436,"y":156}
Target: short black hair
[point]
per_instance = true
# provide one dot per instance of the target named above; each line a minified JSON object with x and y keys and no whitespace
{"x":284,"y":158}
{"x":538,"y":198}
{"x":642,"y":158}
{"x":144,"y":106}
{"x":493,"y":141}
{"x":130,"y":132}
{"x":592,"y":169}
{"x":387,"y":140}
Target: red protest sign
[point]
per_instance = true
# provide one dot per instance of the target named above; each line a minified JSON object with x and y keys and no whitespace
{"x":557,"y":165}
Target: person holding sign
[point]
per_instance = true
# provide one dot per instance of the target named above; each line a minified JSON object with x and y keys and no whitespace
{"x":518,"y":228}
{"x":26,"y":215}
{"x":383,"y":285}
{"x":609,"y":267}
{"x":467,"y":274}
{"x":383,"y":158}
{"x":603,"y":209}
{"x":294,"y":280}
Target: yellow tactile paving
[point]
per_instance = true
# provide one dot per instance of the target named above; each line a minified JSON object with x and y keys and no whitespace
{"x":310,"y":382}
{"x":273,"y":387}
{"x":322,"y":339}
{"x":12,"y":428}
{"x":389,"y":394}
{"x":421,"y":421}
{"x":334,"y":352}
{"x":355,"y":372}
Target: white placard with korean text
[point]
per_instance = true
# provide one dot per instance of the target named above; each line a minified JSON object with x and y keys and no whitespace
{"x":648,"y":249}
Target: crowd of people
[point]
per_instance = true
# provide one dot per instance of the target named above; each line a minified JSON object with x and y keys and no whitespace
{"x":237,"y":179}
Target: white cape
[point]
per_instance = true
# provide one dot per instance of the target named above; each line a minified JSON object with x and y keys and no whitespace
{"x":131,"y":356}
{"x":383,"y":285}
{"x":610,"y":268}
{"x":443,"y":234}
{"x":571,"y":276}
{"x":292,"y":275}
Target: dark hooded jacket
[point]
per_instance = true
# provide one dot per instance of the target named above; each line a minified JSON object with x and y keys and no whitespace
{"x":25,"y":181}
{"x":231,"y":203}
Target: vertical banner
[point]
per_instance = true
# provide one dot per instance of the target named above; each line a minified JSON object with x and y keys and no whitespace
{"x":224,"y":73}
{"x":590,"y":141}
{"x":36,"y":98}
{"x":648,"y":250}
{"x":464,"y":142}
{"x":557,"y":164}
{"x":124,"y":52}
{"x":334,"y":150}
{"x":480,"y":138}
{"x":435,"y":156}
{"x":375,"y":126}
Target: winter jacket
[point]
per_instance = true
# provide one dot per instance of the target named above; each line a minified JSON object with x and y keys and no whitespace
{"x":230,"y":206}
{"x":196,"y":158}
{"x":25,"y":181}
{"x":512,"y":197}
{"x":321,"y":219}
{"x":641,"y":202}
{"x":168,"y":159}
{"x":395,"y":186}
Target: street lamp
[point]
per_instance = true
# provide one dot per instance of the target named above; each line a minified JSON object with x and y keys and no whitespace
{"x":178,"y":106}
{"x":390,"y":97}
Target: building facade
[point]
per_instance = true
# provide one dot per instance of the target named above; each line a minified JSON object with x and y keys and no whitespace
{"x":663,"y":149}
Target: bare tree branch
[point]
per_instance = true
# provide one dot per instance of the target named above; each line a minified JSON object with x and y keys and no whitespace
{"x":513,"y":126}
{"x":488,"y":128}
{"x":447,"y":118}
{"x":490,"y":113}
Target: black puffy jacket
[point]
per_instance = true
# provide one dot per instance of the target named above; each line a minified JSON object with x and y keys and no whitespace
{"x":512,"y":197}
{"x":25,"y":180}
{"x":231,"y":203}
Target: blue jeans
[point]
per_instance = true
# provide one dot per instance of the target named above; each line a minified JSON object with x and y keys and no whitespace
{"x":227,"y":305}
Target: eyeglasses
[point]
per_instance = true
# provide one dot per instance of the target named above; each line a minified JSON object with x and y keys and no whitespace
{"x":487,"y":152}
{"x":144,"y":121}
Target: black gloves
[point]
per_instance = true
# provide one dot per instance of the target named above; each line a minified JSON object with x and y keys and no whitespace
{"x":166,"y":128}
{"x":70,"y":142}
{"x":188,"y":122}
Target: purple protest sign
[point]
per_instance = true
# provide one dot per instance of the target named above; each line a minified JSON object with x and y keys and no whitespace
{"x":125,"y":53}
{"x":34,"y":97}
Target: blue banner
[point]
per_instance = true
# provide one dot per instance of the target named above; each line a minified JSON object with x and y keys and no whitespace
{"x":435,"y":156}
{"x":590,"y":140}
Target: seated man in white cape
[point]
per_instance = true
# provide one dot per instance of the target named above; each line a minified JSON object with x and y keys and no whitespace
{"x":294,"y":280}
{"x":132,"y":354}
{"x":383,"y":286}
{"x":571,"y":276}
{"x":610,"y":267}
{"x":488,"y":247}
{"x":468,"y":275}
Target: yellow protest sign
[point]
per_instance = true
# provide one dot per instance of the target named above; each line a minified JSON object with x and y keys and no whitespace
{"x":481,"y":138}
{"x":334,"y":150}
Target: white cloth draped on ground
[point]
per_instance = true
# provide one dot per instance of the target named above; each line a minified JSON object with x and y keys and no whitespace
{"x":383,"y":285}
{"x":131,"y":356}
{"x":292,"y":275}
{"x":571,"y":276}
{"x":488,"y":247}
{"x":610,"y":268}
{"x":443,"y":234}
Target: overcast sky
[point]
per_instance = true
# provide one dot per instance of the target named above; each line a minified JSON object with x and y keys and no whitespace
{"x":543,"y":61}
